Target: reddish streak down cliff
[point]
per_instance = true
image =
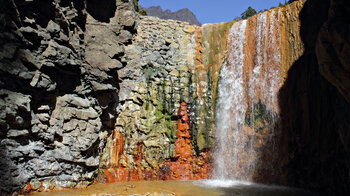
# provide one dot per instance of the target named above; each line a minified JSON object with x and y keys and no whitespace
{"x":183,"y":166}
{"x":186,"y":166}
{"x":182,"y":169}
{"x":183,"y":146}
{"x":118,"y":170}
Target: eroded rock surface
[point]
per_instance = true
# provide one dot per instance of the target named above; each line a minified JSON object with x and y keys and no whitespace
{"x":57,"y":105}
{"x":161,"y":74}
{"x":91,"y":90}
{"x":185,"y":165}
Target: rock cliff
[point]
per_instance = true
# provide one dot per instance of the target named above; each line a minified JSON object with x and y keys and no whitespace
{"x":161,"y":75}
{"x":59,"y":89}
{"x":314,"y":102}
{"x":88,"y":89}
{"x":92,"y":91}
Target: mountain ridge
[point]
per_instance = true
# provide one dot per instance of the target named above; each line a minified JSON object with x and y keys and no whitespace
{"x":184,"y":14}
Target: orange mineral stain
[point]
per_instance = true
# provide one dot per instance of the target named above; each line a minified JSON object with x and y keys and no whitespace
{"x":187,"y":166}
{"x":184,"y":165}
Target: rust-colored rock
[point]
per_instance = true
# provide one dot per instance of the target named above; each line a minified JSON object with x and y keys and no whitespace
{"x":149,"y":174}
{"x":28,"y":188}
{"x":118,"y":147}
{"x":202,"y":168}
{"x":122,"y":174}
{"x":118,"y":170}
{"x":134,"y":175}
{"x":110,"y":177}
{"x":187,"y":166}
{"x":182,"y":168}
{"x":183,"y":146}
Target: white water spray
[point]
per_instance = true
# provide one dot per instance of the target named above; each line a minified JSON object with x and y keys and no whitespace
{"x":230,"y":109}
{"x":236,"y":154}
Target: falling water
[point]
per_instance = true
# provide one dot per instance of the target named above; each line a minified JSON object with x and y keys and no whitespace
{"x":230,"y":110}
{"x":243,"y":86}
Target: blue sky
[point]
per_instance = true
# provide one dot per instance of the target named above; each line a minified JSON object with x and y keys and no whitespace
{"x":213,"y":11}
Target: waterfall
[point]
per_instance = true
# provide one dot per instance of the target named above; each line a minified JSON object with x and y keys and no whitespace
{"x":230,"y":110}
{"x":246,"y":106}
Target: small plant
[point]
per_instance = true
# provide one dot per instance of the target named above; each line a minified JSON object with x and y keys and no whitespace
{"x":136,"y":5}
{"x":149,"y":73}
{"x":137,"y":8}
{"x":248,"y":13}
{"x":143,"y":12}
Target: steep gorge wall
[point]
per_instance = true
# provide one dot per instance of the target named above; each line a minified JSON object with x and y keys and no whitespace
{"x":295,"y":130}
{"x":170,"y":62}
{"x":88,"y":90}
{"x":91,"y":91}
{"x":211,"y":43}
{"x":57,"y":104}
{"x":158,"y":79}
{"x":165,"y":70}
{"x":313,"y":101}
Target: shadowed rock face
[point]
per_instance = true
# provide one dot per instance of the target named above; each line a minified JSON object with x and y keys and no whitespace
{"x":184,"y":15}
{"x":313,"y":102}
{"x":332,"y":47}
{"x":57,"y":104}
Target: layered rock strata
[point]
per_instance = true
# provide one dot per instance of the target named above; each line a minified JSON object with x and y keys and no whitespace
{"x":162,"y":74}
{"x":57,"y":99}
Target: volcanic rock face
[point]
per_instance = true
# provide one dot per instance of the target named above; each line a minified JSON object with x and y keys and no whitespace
{"x":161,"y":74}
{"x":313,"y":101}
{"x":57,"y":106}
{"x":64,"y":83}
{"x":247,"y":110}
{"x":183,"y":146}
{"x":186,"y":166}
{"x":332,"y":47}
{"x":91,"y":90}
